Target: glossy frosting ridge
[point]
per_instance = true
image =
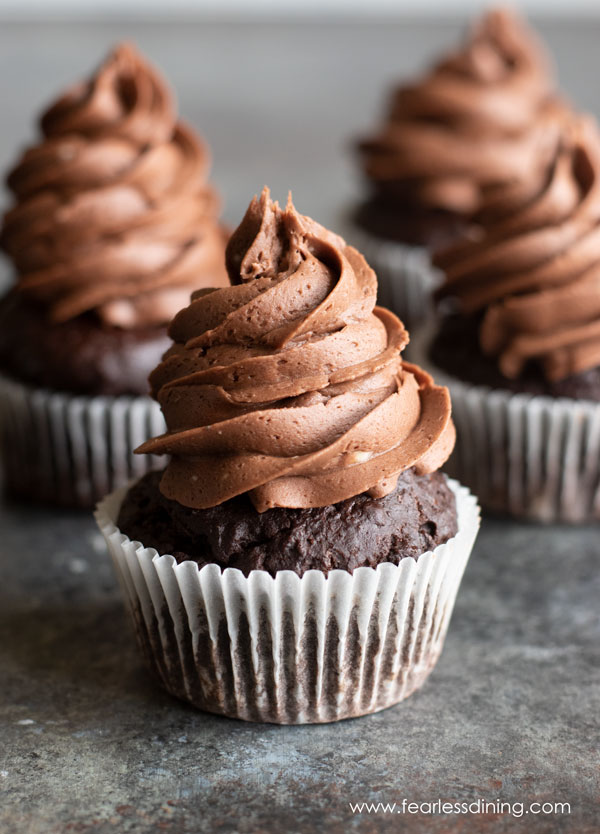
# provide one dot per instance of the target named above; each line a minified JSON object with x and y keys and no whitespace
{"x":113,"y":212}
{"x":289,"y":384}
{"x":484,"y":115}
{"x":532,"y":271}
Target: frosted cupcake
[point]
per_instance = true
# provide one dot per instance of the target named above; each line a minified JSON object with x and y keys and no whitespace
{"x":483,"y":117}
{"x":300,"y":554}
{"x":113,"y":224}
{"x":521,"y":351}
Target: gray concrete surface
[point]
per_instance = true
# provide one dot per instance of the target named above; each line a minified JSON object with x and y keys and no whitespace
{"x":88,"y":743}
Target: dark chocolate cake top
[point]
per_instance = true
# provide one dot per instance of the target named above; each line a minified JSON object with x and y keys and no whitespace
{"x":417,"y":516}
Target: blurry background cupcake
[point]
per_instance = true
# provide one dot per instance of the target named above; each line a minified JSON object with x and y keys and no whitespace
{"x":303,"y":482}
{"x":520,"y":341}
{"x":113,"y":224}
{"x":484,"y":116}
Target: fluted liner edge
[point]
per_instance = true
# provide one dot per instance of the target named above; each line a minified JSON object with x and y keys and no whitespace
{"x":290,"y":649}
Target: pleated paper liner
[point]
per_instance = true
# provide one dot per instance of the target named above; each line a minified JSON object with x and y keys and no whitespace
{"x":72,"y":450}
{"x":531,"y":457}
{"x":286,"y":649}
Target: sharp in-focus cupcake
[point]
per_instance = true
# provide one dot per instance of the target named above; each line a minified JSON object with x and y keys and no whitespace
{"x":482,"y":117}
{"x":520,"y":350}
{"x":113,"y":224}
{"x":298,"y":559}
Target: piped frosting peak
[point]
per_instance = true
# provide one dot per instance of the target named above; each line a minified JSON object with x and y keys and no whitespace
{"x":289,"y":384}
{"x":113,"y":210}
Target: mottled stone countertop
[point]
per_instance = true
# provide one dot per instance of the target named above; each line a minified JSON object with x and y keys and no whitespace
{"x":88,"y":742}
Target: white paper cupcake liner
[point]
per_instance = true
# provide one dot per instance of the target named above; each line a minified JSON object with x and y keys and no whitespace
{"x":72,"y":450}
{"x":406,"y":277}
{"x":286,"y":649}
{"x":532,"y":457}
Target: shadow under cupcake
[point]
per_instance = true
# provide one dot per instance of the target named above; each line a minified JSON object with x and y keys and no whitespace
{"x":113,"y":224}
{"x":299,"y":557}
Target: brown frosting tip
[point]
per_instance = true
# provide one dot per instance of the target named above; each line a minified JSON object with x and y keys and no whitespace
{"x":126,"y":97}
{"x":482,"y":116}
{"x":113,"y":211}
{"x":532,"y":270}
{"x":289,"y":384}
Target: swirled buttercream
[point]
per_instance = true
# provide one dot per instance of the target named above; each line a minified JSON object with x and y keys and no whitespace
{"x":113,"y":210}
{"x":482,"y":116}
{"x":533,"y":271}
{"x":289,"y":385}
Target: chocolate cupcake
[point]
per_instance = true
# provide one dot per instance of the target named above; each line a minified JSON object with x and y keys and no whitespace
{"x":112,"y":226}
{"x":482,"y":117}
{"x":300,"y":554}
{"x":520,"y":348}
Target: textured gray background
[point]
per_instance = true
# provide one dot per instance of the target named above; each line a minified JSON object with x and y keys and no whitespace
{"x":88,"y":743}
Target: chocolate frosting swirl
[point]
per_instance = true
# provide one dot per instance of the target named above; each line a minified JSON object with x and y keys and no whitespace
{"x":289,"y":384}
{"x":481,"y":117}
{"x":113,"y":212}
{"x":533,"y":271}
